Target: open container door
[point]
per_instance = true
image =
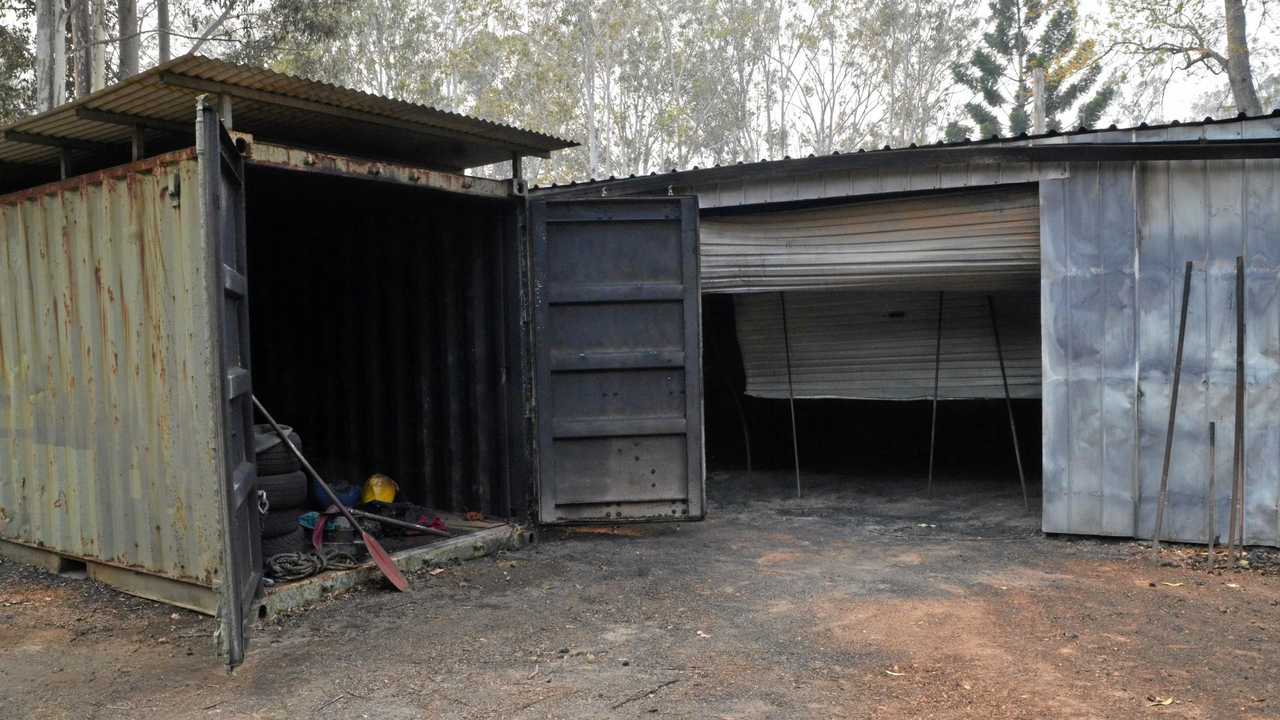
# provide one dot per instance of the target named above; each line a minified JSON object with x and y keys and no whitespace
{"x":223,"y":220}
{"x":618,"y":362}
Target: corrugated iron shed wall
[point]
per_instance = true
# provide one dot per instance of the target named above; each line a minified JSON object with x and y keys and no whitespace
{"x":108,"y":430}
{"x":1115,"y":239}
{"x":881,"y":345}
{"x":986,"y":239}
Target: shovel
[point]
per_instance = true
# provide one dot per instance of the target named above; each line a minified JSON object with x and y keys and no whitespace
{"x":379,"y":555}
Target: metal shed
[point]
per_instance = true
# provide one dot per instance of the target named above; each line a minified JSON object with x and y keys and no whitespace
{"x":1111,"y":216}
{"x":205,"y":231}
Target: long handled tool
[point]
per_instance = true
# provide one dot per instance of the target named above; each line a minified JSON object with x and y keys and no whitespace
{"x":1212,"y":500}
{"x":379,"y":555}
{"x":1173,"y":411}
{"x":1235,"y":535}
{"x":401,"y":523}
{"x":1008,"y":401}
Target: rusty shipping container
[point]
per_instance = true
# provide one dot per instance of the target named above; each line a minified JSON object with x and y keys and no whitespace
{"x":325,"y":252}
{"x":107,"y":424}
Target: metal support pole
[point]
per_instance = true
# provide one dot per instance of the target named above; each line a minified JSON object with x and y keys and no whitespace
{"x":1173,"y":410}
{"x":517,"y":174}
{"x":1008,"y":402}
{"x":742,"y":420}
{"x":791,"y":391}
{"x":937,"y":371}
{"x":1212,"y":500}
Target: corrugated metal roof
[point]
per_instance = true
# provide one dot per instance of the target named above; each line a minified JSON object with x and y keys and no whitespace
{"x":986,"y":239}
{"x":272,"y":106}
{"x":935,"y":152}
{"x":882,"y":345}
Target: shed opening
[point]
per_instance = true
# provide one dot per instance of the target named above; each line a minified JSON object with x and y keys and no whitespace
{"x":380,"y":332}
{"x":862,"y":375}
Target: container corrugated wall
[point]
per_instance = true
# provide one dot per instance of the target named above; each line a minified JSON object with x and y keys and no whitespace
{"x":1116,"y":237}
{"x":980,"y":240}
{"x":873,"y":345}
{"x":107,"y":414}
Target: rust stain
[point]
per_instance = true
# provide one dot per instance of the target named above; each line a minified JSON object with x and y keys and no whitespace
{"x":616,"y":531}
{"x":99,"y":177}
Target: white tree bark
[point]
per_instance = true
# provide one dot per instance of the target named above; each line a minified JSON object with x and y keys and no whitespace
{"x":162,"y":28}
{"x":98,"y":66}
{"x":1239,"y":69}
{"x":82,"y":39}
{"x":51,"y":54}
{"x":129,"y":40}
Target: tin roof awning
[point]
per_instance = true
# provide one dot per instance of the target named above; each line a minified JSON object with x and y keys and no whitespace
{"x":269,"y":105}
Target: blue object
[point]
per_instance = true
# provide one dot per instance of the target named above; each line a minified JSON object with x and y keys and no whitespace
{"x":348,"y":494}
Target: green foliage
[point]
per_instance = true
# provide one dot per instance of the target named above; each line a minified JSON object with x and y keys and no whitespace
{"x":1024,"y":35}
{"x":17,"y":62}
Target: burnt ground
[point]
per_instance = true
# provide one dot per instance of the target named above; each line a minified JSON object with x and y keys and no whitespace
{"x":863,"y":599}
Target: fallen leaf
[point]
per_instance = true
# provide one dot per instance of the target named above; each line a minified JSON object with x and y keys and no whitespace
{"x":437,"y":571}
{"x":1153,"y":701}
{"x":1172,"y":584}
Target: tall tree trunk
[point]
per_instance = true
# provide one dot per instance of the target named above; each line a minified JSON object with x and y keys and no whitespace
{"x":589,"y":78}
{"x":82,"y":39}
{"x":1239,"y":71}
{"x":162,"y":29}
{"x":98,"y":63}
{"x":129,"y":40}
{"x":51,"y":54}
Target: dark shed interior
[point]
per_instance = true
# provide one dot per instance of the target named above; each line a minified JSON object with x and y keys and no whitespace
{"x":866,"y":438}
{"x":383,"y":325}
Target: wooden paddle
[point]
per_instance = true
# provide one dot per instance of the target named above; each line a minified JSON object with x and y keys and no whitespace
{"x":379,"y":555}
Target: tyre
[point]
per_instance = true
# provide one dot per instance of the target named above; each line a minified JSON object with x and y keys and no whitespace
{"x":275,"y":458}
{"x":276,"y":524}
{"x":284,"y":492}
{"x":294,"y":541}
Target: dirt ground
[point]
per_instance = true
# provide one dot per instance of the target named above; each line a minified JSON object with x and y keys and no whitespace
{"x":863,"y":599}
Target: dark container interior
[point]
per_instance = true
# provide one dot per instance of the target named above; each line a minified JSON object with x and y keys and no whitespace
{"x":383,"y":321}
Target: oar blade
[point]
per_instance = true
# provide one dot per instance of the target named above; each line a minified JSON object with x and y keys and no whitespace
{"x":384,"y":562}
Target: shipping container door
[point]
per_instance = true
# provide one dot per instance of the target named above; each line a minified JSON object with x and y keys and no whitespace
{"x":618,"y":366}
{"x":222,"y":201}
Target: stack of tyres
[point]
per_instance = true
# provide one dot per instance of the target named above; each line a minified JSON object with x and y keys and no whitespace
{"x":281,"y":477}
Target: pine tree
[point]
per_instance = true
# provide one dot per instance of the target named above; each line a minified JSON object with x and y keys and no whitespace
{"x":1025,"y":35}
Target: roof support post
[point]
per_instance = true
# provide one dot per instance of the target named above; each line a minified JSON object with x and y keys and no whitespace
{"x":138,"y":142}
{"x":224,"y":111}
{"x":64,"y":163}
{"x":517,"y":174}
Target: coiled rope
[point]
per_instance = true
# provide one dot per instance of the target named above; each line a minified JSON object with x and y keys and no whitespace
{"x":300,"y":565}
